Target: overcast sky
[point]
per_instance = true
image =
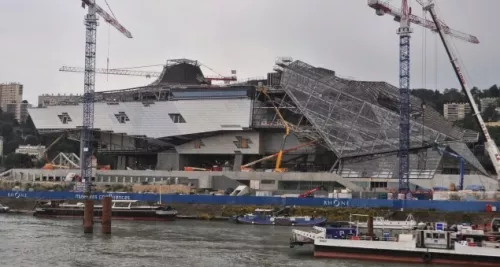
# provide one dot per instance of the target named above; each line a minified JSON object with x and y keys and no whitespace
{"x":37,"y":37}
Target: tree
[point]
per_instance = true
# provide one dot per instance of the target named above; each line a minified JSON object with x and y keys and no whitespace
{"x":490,"y":114}
{"x":17,"y":160}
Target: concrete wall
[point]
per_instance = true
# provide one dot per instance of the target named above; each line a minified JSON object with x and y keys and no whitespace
{"x":124,"y":176}
{"x":169,"y":160}
{"x":225,"y":143}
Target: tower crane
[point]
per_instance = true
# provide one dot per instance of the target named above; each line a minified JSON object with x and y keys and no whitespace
{"x":147,"y":74}
{"x":404,"y":32}
{"x":91,"y":22}
{"x":405,"y":17}
{"x":490,"y":145}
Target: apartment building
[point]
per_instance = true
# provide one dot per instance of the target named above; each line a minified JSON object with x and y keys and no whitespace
{"x":456,"y":111}
{"x":11,"y":96}
{"x":487,"y":101}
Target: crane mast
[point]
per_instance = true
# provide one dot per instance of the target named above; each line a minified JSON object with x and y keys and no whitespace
{"x":88,"y":98}
{"x":86,"y":147}
{"x":490,"y":145}
{"x":404,"y":32}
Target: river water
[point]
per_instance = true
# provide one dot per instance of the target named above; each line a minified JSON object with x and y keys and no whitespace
{"x":26,"y":241}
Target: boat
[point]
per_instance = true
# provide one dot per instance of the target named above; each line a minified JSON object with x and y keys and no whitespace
{"x":280,"y":217}
{"x":120,"y":210}
{"x":4,"y":209}
{"x":382,"y":223}
{"x":426,"y":246}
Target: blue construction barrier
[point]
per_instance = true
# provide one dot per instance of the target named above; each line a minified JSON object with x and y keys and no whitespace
{"x":459,"y":206}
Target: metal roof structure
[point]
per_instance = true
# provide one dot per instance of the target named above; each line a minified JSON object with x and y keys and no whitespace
{"x":152,"y":119}
{"x":359,"y":122}
{"x":358,"y":118}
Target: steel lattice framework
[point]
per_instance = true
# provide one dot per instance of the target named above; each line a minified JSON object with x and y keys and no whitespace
{"x":359,"y":122}
{"x":404,"y":102}
{"x":358,"y":118}
{"x":86,"y":145}
{"x":88,"y":99}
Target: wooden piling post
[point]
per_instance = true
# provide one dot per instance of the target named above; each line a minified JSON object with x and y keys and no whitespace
{"x":88,"y":217}
{"x":370,"y":226}
{"x":106,"y":215}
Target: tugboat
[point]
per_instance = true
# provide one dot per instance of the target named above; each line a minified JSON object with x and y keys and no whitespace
{"x":280,"y":217}
{"x":120,"y":210}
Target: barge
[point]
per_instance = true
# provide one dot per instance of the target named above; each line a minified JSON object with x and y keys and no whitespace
{"x":465,"y":248}
{"x":280,"y":217}
{"x":120,"y":210}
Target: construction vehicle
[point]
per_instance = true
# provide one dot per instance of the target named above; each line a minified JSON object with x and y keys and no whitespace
{"x":310,"y":193}
{"x":247,"y":166}
{"x":46,"y":151}
{"x":489,"y":144}
{"x":278,"y":155}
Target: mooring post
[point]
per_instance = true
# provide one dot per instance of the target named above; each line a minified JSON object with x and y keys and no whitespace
{"x":370,"y":226}
{"x":106,"y":215}
{"x":88,"y":217}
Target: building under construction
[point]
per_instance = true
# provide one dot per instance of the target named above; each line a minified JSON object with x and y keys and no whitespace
{"x":339,"y":127}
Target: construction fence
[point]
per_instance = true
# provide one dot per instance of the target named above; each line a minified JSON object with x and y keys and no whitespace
{"x":438,"y":205}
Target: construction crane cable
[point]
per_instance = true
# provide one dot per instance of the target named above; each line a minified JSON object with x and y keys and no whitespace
{"x":109,"y":45}
{"x":424,"y":53}
{"x":110,"y":10}
{"x":457,"y":54}
{"x":436,"y":37}
{"x":139,"y":67}
{"x":210,"y":68}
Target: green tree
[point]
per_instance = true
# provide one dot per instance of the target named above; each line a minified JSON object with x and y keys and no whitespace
{"x":490,"y":114}
{"x":16,"y":160}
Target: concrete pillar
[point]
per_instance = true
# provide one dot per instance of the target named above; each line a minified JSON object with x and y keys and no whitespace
{"x":121,"y":163}
{"x":169,"y":160}
{"x":238,"y":161}
{"x":370,"y":226}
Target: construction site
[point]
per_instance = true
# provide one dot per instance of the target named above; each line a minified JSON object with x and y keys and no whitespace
{"x":298,"y":128}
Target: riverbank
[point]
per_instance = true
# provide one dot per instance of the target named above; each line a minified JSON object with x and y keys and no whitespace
{"x":223,"y":212}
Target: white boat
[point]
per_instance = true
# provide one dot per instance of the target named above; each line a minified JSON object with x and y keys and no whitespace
{"x":3,"y":208}
{"x":465,"y":248}
{"x":382,"y":223}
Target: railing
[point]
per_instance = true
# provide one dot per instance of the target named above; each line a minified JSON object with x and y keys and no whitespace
{"x":369,"y":238}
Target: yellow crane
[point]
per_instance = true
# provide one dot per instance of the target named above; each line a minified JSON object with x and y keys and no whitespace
{"x":286,"y":124}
